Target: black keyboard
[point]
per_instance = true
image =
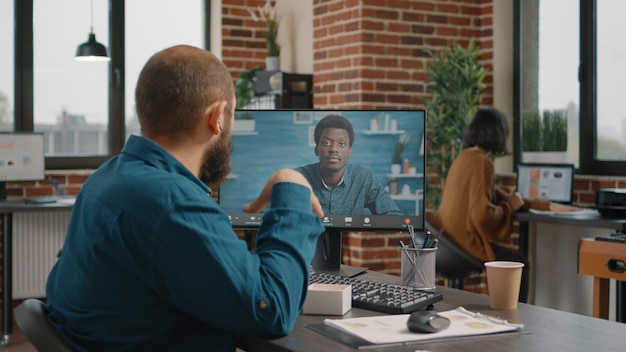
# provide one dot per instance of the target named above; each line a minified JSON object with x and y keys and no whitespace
{"x":616,"y":237}
{"x":42,"y":199}
{"x":380,"y":296}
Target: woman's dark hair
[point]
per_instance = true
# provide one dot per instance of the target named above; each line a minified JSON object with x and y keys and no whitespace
{"x":489,"y":130}
{"x":333,"y":121}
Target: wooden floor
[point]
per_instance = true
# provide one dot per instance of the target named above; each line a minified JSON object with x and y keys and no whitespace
{"x":18,"y":342}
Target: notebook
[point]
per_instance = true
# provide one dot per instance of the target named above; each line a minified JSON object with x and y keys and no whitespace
{"x":552,"y":182}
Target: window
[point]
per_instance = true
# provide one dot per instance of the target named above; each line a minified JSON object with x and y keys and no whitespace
{"x":70,"y":97}
{"x":550,"y":92}
{"x":84,"y":108}
{"x":6,"y":65}
{"x":146,"y":37}
{"x":611,"y":71}
{"x":580,"y":74}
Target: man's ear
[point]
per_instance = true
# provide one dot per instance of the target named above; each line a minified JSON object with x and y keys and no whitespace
{"x":316,"y":150}
{"x":215,"y":116}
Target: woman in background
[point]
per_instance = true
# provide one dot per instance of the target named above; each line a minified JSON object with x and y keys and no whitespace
{"x":478,"y":215}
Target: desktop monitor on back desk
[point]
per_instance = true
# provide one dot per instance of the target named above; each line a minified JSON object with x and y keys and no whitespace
{"x":552,"y":182}
{"x":21,"y":158}
{"x":267,"y":140}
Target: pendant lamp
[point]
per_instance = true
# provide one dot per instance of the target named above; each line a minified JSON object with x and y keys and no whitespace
{"x":91,"y":50}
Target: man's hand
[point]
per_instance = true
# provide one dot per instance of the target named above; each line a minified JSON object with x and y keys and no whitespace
{"x":282,"y":175}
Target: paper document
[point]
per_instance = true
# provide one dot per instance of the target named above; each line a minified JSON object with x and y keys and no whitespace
{"x":575,"y":213}
{"x":386,"y":329}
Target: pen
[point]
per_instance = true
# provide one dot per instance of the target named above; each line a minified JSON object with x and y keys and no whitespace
{"x":403,"y":246}
{"x":438,"y":234}
{"x":60,"y":191}
{"x":425,"y":245}
{"x":412,"y":235}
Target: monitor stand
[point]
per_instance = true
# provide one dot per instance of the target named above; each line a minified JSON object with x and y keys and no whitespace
{"x":328,"y":256}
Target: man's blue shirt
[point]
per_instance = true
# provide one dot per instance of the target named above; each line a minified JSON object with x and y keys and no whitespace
{"x":151,"y":262}
{"x":359,"y":190}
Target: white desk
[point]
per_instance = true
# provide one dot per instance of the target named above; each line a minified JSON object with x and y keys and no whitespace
{"x":551,"y":244}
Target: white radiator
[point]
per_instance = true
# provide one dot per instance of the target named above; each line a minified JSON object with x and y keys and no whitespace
{"x":37,"y":239}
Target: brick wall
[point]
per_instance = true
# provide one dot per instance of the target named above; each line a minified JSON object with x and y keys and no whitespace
{"x":369,"y":54}
{"x":243,"y":45}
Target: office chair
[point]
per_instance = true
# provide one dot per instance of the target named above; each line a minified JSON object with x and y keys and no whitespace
{"x":452,"y":262}
{"x":30,"y":316}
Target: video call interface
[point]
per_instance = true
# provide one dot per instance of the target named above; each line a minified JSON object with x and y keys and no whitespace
{"x":267,"y":140}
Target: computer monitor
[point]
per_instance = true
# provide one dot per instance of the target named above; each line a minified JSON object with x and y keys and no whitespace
{"x":551,"y":182}
{"x":267,"y":140}
{"x":21,"y":158}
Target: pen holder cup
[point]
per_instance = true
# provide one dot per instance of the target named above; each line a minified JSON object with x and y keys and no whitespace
{"x":418,"y":267}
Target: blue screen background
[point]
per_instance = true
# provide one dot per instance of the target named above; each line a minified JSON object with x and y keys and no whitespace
{"x":282,"y":138}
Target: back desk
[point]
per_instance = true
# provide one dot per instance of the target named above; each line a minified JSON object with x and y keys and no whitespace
{"x":551,"y":244}
{"x":549,"y":329}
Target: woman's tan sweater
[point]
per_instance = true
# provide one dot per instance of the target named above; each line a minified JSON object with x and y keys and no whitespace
{"x":467,"y":212}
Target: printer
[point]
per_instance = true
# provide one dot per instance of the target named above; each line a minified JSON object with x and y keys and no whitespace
{"x":611,"y":202}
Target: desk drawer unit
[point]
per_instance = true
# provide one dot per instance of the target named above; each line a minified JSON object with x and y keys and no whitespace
{"x":602,"y":259}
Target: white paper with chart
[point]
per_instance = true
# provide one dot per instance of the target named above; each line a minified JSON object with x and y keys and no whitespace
{"x":385,"y":329}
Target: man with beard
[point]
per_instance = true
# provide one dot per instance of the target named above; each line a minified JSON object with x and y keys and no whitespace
{"x":150,"y":261}
{"x":343,"y":188}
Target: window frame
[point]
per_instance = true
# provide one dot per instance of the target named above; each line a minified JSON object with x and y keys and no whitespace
{"x":587,"y":77}
{"x":24,"y":80}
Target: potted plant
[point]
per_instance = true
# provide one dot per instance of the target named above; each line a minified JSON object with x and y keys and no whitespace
{"x":245,"y":86}
{"x":458,"y":78}
{"x":269,"y":16}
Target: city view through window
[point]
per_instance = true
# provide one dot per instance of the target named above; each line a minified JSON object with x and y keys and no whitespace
{"x":71,"y":97}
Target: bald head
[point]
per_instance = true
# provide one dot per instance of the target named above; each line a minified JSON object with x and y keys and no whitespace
{"x":176,"y":86}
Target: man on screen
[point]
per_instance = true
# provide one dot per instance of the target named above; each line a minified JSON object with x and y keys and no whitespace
{"x":344,"y":188}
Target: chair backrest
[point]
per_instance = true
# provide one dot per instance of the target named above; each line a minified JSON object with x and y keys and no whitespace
{"x":453,"y":262}
{"x":30,"y":316}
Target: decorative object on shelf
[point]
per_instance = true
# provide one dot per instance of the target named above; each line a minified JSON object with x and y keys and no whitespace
{"x":396,"y":159}
{"x":269,"y":15}
{"x":244,"y":123}
{"x":275,"y":81}
{"x":458,"y":77}
{"x":91,"y":50}
{"x":245,"y":86}
{"x":394,"y":185}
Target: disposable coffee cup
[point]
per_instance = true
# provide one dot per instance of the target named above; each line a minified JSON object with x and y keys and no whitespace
{"x":418,"y":267}
{"x":503,"y":283}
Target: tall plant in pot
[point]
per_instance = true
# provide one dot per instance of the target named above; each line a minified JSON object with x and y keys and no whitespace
{"x":457,"y":76}
{"x":269,"y":15}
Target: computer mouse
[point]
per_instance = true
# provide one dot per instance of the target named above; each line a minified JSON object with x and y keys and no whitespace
{"x":427,"y":321}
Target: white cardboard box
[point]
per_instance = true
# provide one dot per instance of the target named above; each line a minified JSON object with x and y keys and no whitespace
{"x":328,"y":299}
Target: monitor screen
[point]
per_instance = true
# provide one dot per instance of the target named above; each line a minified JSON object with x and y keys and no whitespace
{"x":551,"y":182}
{"x":21,"y":158}
{"x":371,"y":193}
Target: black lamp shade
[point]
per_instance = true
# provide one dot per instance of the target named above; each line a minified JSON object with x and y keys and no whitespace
{"x":91,"y":50}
